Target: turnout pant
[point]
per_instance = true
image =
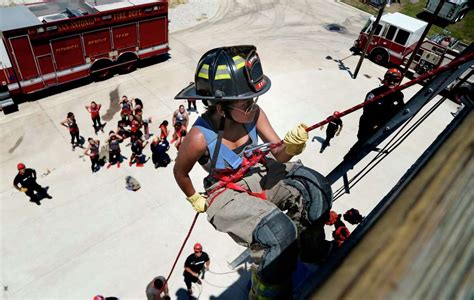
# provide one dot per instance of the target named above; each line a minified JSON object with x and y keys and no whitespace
{"x":261,"y":224}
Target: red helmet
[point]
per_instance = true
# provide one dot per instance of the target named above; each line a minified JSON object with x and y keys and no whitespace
{"x":393,"y":75}
{"x":20,"y":166}
{"x":197,"y":247}
{"x":99,"y":297}
{"x":336,"y":114}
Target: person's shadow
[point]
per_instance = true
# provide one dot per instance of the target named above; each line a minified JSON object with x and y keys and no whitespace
{"x":40,"y":196}
{"x":183,"y":294}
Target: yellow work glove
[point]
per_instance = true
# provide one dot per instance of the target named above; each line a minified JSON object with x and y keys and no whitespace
{"x":23,"y":190}
{"x":198,"y":202}
{"x":295,"y":140}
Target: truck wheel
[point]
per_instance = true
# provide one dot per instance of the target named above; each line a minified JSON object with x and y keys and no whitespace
{"x":379,"y":56}
{"x":127,"y":63}
{"x":101,"y":70}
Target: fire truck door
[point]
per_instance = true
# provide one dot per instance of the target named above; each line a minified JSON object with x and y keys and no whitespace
{"x":23,"y":56}
{"x":48,"y":73}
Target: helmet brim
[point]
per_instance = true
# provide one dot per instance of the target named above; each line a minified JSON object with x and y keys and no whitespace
{"x":190,"y":92}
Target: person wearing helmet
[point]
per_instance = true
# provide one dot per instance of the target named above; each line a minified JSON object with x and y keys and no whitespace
{"x":230,"y":80}
{"x":376,"y":114}
{"x":194,"y":265}
{"x":25,"y":182}
{"x":334,"y":128}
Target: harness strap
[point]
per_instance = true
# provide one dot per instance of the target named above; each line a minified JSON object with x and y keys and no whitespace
{"x":229,"y":181}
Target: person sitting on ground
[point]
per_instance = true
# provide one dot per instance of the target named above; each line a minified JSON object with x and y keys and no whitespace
{"x":122,"y":131}
{"x":137,"y":151}
{"x":158,"y":148}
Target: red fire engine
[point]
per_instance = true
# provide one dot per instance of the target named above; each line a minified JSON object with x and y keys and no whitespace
{"x":50,"y":43}
{"x":395,"y":39}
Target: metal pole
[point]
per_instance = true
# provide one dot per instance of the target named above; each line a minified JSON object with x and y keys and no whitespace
{"x":374,"y":26}
{"x":422,"y":38}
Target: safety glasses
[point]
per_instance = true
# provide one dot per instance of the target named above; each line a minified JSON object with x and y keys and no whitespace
{"x":250,"y":108}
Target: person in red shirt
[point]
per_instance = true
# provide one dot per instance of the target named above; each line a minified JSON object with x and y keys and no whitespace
{"x":164,"y":130}
{"x":94,"y":109}
{"x":71,"y":124}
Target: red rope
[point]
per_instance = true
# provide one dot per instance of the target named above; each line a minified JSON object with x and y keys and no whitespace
{"x":453,"y":64}
{"x":180,"y":251}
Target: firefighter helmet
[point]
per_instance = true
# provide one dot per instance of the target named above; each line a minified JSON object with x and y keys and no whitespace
{"x":393,"y":75}
{"x":20,"y":166}
{"x":228,"y":73}
{"x":197,"y":247}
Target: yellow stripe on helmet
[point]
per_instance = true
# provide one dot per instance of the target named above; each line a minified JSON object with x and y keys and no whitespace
{"x":239,"y":61}
{"x":222,"y":73}
{"x":204,"y":72}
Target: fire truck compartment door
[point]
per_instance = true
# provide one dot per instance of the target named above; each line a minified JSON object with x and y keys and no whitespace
{"x":68,"y":52}
{"x":97,"y":42}
{"x":24,"y":58}
{"x":125,"y":36}
{"x":153,"y":32}
{"x":48,"y":73}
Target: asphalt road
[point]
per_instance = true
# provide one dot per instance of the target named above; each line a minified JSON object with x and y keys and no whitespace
{"x":95,"y":237}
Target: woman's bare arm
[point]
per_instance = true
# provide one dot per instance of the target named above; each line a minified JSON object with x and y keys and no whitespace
{"x":193,"y":147}
{"x":268,"y":135}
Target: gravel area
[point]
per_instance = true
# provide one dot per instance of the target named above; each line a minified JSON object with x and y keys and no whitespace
{"x":182,"y":16}
{"x":192,"y":13}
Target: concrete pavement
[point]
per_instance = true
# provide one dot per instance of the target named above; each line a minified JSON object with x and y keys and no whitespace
{"x":96,"y":237}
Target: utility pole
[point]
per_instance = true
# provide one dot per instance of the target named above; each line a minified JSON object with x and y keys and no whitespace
{"x":369,"y":39}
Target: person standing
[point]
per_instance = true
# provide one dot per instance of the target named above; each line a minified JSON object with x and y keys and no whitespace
{"x":71,"y":124}
{"x":94,"y":109}
{"x":156,"y":288}
{"x":114,"y":149}
{"x":164,"y":130}
{"x":192,"y":102}
{"x":334,"y":128}
{"x":377,"y":113}
{"x":194,"y":265}
{"x":92,"y":150}
{"x":181,"y":116}
{"x":25,"y":182}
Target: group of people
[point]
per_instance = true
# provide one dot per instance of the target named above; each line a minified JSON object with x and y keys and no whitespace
{"x":132,"y":125}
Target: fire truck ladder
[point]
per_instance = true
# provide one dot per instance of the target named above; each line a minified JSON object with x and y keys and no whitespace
{"x":412,"y":107}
